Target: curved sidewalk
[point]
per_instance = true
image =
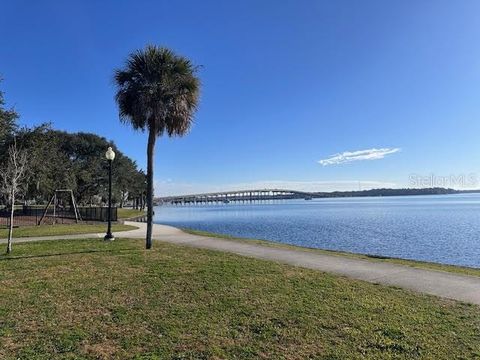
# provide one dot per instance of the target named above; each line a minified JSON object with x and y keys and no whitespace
{"x":440,"y":283}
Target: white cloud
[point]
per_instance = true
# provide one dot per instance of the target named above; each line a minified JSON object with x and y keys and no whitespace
{"x":168,"y":188}
{"x":349,"y":156}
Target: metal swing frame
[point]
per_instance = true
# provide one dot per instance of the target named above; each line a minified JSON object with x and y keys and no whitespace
{"x":54,"y":200}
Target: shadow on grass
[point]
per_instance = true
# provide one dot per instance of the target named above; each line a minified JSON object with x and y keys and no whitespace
{"x":4,"y":257}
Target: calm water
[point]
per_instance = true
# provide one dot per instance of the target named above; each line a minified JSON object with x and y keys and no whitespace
{"x":444,"y":229}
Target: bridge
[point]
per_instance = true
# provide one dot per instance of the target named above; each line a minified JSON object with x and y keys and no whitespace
{"x":235,"y":196}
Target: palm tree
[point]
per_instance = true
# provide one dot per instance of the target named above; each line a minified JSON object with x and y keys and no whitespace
{"x":158,"y":91}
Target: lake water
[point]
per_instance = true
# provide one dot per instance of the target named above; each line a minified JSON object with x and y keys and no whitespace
{"x":443,"y":229}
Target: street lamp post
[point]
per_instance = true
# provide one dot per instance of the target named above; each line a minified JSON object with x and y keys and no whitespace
{"x":110,"y":155}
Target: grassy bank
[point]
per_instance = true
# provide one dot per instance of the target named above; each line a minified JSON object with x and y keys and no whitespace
{"x":123,"y":213}
{"x":89,"y":299}
{"x":419,"y":264}
{"x":61,"y":229}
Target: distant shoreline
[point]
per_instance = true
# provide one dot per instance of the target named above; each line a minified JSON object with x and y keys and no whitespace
{"x":367,"y":193}
{"x":392,"y":192}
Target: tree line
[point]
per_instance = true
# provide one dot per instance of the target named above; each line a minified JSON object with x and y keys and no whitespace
{"x":61,"y":160}
{"x":387,"y":192}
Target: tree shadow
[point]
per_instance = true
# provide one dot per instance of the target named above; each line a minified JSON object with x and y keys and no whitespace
{"x":4,"y":257}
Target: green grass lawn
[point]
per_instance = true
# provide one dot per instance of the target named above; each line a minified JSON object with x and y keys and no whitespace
{"x":123,"y":213}
{"x":61,"y":229}
{"x":87,"y":299}
{"x":419,"y":264}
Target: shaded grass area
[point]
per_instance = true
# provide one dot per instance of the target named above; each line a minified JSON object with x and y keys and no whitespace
{"x":418,"y":264}
{"x":87,"y":299}
{"x":62,"y":229}
{"x":123,"y":213}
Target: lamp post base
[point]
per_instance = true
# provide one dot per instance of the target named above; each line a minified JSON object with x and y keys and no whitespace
{"x":109,"y":237}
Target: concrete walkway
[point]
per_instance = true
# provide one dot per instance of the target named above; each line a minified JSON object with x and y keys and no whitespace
{"x":444,"y":284}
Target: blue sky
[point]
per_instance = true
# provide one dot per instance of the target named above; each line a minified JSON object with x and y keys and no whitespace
{"x":285,"y":85}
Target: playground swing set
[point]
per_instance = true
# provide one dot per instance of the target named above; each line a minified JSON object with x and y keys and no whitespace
{"x":61,"y":205}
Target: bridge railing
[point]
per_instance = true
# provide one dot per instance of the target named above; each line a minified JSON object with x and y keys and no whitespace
{"x":233,"y":196}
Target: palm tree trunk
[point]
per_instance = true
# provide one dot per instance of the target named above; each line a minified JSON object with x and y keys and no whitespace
{"x":150,"y":155}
